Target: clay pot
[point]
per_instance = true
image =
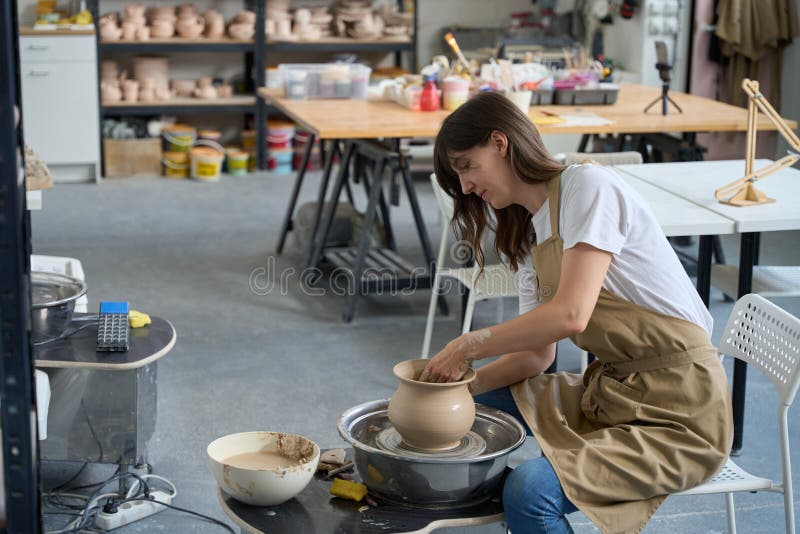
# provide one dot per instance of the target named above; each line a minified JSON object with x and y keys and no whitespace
{"x":204,"y":82}
{"x":109,"y":31}
{"x":430,"y":416}
{"x":134,"y":11}
{"x":206,"y":92}
{"x":215,"y":24}
{"x":184,"y":88}
{"x":241,"y":31}
{"x":186,"y":10}
{"x":225,"y":91}
{"x":110,"y":92}
{"x":190,"y":27}
{"x":283,"y":28}
{"x":143,"y":33}
{"x":108,"y":70}
{"x":245,"y":16}
{"x":131,"y":90}
{"x":269,"y":27}
{"x":128,"y":31}
{"x":163,"y":13}
{"x":162,"y":28}
{"x":147,"y":94}
{"x":154,"y":67}
{"x":163,"y":93}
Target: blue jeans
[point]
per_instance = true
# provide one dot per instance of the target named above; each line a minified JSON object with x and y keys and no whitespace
{"x":533,"y":500}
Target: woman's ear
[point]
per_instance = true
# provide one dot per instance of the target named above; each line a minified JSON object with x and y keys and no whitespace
{"x":500,"y":142}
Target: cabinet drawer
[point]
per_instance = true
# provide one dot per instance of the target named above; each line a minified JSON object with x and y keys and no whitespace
{"x":59,"y":110}
{"x":52,"y":48}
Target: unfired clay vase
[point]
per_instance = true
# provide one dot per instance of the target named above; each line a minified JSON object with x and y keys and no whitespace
{"x":162,"y":28}
{"x":430,"y":416}
{"x":241,"y":30}
{"x":215,"y":24}
{"x":184,"y":88}
{"x":190,"y":27}
{"x":109,"y":31}
{"x":110,"y":92}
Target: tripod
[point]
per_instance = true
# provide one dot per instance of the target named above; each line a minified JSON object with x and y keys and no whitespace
{"x":664,"y":99}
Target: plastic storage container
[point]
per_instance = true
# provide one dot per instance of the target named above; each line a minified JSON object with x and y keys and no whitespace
{"x":305,"y":81}
{"x":604,"y":94}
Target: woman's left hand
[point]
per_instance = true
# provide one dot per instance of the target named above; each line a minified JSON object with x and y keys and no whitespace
{"x":450,"y":364}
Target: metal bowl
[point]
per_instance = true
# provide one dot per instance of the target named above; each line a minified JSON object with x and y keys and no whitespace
{"x":53,"y":299}
{"x":430,"y":480}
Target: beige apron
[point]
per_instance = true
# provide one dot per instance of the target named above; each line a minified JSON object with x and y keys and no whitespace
{"x":650,"y":417}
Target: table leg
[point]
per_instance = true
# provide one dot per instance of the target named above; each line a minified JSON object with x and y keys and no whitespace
{"x":584,"y":141}
{"x":298,"y":183}
{"x":746,"y":258}
{"x":363,"y":246}
{"x":704,"y":267}
{"x":323,"y":189}
{"x":322,"y":233}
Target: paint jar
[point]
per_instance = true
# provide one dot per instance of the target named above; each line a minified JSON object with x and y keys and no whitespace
{"x":249,"y":140}
{"x":296,"y":87}
{"x":455,"y":92}
{"x":237,"y":162}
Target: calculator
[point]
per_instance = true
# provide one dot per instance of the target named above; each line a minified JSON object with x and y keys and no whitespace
{"x":113,"y":327}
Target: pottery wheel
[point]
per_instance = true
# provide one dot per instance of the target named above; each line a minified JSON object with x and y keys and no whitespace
{"x":390,"y":440}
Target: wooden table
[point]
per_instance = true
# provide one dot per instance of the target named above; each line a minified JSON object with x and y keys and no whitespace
{"x":348,"y":119}
{"x":696,"y":182}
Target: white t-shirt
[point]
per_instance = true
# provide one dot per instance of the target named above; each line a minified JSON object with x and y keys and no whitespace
{"x":599,"y":208}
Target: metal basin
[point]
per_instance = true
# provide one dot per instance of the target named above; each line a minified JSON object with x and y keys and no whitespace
{"x":53,"y":299}
{"x":463,"y":477}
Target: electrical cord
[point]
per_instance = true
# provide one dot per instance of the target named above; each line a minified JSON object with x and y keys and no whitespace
{"x":184,"y":510}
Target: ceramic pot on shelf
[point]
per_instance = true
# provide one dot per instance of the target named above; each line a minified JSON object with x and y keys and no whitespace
{"x":110,"y":92}
{"x":190,"y":27}
{"x":162,"y":28}
{"x":215,"y":24}
{"x":241,"y":31}
{"x":109,"y":31}
{"x":430,"y":416}
{"x":134,"y":11}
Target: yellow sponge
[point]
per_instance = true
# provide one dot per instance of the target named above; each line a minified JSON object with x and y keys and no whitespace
{"x":348,"y":490}
{"x":138,"y":319}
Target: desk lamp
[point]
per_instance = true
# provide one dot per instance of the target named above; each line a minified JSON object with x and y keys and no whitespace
{"x":741,"y":192}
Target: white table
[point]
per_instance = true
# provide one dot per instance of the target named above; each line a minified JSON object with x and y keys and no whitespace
{"x":696,"y":182}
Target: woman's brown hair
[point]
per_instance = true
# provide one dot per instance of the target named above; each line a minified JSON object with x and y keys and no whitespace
{"x":469,"y":126}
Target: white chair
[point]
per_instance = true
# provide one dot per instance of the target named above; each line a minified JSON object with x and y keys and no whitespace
{"x":495,"y":282}
{"x":602,"y":158}
{"x":767,"y":338}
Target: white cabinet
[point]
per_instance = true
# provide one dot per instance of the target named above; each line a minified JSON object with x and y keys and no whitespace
{"x":60,"y":103}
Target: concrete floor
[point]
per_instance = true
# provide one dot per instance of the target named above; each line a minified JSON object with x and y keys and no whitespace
{"x":245,"y":360}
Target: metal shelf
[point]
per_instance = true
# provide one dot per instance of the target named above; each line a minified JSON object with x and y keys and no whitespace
{"x":242,"y":104}
{"x":341,"y":45}
{"x":177,"y":44}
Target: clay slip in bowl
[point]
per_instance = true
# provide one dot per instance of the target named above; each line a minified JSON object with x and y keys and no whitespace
{"x":268,"y":486}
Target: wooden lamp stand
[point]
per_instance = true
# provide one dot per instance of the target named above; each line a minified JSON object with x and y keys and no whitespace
{"x":742,"y":192}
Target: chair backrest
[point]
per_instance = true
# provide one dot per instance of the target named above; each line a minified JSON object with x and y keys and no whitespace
{"x":603,"y":158}
{"x":442,"y":199}
{"x":767,"y":337}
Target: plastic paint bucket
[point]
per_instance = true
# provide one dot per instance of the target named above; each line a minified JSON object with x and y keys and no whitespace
{"x":178,"y":137}
{"x":455,"y":91}
{"x":176,"y":164}
{"x":237,"y":162}
{"x":205,"y":161}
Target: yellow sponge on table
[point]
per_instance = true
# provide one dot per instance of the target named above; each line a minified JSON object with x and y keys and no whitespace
{"x":138,"y":319}
{"x":346,"y":489}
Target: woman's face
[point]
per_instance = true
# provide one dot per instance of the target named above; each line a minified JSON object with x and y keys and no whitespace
{"x":485,"y":171}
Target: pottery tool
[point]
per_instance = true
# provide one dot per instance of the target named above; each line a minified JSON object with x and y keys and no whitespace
{"x":741,"y":192}
{"x":344,"y":467}
{"x":454,"y":45}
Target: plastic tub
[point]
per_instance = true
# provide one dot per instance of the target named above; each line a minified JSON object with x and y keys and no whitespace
{"x":176,"y":164}
{"x":455,"y":92}
{"x":305,"y":81}
{"x":178,"y":137}
{"x":205,"y":161}
{"x":237,"y":162}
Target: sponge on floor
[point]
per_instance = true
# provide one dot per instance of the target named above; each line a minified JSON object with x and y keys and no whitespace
{"x":348,"y":490}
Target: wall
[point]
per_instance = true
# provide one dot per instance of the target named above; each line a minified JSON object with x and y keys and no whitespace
{"x":790,"y":102}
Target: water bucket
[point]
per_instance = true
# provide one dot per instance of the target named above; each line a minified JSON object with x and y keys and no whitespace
{"x":205,"y":160}
{"x":237,"y":162}
{"x":178,"y":137}
{"x":176,"y":164}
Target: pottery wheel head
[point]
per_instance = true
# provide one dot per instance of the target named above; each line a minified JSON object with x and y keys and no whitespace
{"x":470,"y":446}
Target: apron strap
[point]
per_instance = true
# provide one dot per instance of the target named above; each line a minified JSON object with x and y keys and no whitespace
{"x":553,"y":187}
{"x":623,"y":369}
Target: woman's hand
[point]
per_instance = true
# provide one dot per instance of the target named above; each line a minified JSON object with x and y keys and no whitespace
{"x":452,"y":362}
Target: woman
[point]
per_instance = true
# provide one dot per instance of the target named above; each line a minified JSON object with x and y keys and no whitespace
{"x":652,"y":415}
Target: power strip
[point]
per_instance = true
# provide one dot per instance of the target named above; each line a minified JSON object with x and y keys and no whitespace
{"x":133,"y":511}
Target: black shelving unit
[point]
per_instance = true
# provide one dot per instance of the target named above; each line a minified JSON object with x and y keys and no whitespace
{"x":20,"y":444}
{"x":256,"y":53}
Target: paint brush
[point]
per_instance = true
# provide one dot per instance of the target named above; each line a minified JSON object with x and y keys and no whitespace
{"x":454,"y":45}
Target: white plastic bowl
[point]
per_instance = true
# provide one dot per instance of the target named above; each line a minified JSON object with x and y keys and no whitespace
{"x":267,"y":486}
